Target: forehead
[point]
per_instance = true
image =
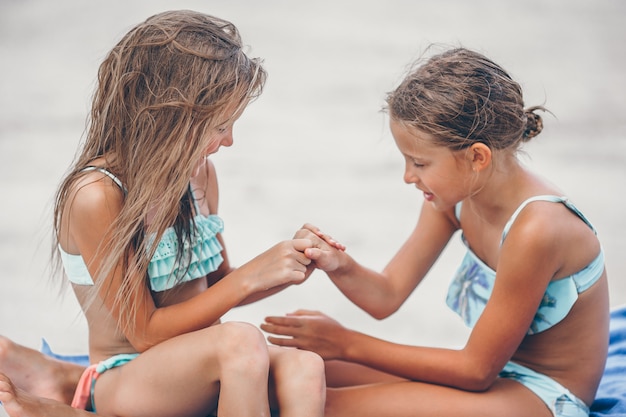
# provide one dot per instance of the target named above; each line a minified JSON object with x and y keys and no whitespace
{"x":412,"y":141}
{"x":231,"y":112}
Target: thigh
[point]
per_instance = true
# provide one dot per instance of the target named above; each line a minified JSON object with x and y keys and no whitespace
{"x":177,"y":377}
{"x":342,"y":374}
{"x":414,"y":399}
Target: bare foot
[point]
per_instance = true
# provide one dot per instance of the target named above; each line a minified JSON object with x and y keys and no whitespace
{"x":19,"y":403}
{"x":38,"y":374}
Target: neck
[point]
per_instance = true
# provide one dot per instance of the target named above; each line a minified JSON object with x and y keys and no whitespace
{"x":502,"y":190}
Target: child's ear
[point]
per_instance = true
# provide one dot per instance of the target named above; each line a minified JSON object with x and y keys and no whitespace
{"x":480,"y":156}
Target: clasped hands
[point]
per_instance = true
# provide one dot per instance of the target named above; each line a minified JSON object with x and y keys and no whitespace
{"x":324,"y":248}
{"x":306,"y":329}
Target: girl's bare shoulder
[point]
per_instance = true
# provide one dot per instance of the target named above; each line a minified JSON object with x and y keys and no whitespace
{"x":93,"y":202}
{"x":94,"y":191}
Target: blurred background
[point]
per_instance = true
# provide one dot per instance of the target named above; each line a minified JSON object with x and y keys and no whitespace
{"x":315,"y":147}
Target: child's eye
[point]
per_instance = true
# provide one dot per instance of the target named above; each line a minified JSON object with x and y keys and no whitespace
{"x":417,"y":164}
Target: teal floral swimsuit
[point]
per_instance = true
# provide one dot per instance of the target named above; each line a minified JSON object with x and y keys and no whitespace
{"x":473,"y":284}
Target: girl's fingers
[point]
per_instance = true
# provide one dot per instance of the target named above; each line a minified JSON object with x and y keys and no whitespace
{"x":283,"y":341}
{"x":286,"y":321}
{"x":301,"y":244}
{"x":325,"y":237}
{"x":328,"y":239}
{"x":313,"y":253}
{"x":303,"y":312}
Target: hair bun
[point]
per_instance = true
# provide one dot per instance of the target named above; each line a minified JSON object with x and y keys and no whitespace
{"x":534,"y":123}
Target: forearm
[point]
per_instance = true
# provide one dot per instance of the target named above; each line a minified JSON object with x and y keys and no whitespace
{"x":447,"y":367}
{"x":219,"y":275}
{"x":262,"y":294}
{"x":372,"y":291}
{"x":201,"y":311}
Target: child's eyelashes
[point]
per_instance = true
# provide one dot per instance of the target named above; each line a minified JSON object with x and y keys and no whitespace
{"x":416,"y":163}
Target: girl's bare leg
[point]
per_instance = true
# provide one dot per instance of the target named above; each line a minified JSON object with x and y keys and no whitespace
{"x":38,"y":374}
{"x":19,"y":403}
{"x":184,"y":376}
{"x":297,"y":380}
{"x":347,"y":374}
{"x":415,"y":399}
{"x":244,"y":372}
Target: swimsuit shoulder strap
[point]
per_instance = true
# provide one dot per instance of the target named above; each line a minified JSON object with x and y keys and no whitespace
{"x":552,"y":198}
{"x":108,"y":174}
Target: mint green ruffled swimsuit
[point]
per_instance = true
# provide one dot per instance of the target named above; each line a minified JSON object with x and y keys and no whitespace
{"x":165,"y":271}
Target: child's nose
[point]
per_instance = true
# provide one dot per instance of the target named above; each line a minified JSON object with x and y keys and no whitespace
{"x":409,"y":176}
{"x":228,"y":140}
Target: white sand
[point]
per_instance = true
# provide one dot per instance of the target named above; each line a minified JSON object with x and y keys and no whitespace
{"x":315,"y":147}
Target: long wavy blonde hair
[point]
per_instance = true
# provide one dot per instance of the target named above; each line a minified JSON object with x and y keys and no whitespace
{"x":160,"y":90}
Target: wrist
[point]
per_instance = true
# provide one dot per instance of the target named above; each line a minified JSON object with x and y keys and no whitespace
{"x":344,"y":266}
{"x":350,"y":346}
{"x":246,"y":284}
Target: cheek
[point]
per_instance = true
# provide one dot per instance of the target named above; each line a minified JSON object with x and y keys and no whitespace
{"x":211,"y":148}
{"x":455,"y":188}
{"x":217,"y":142}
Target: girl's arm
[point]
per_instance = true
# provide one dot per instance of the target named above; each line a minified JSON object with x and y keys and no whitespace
{"x":207,"y":181}
{"x":382,"y":293}
{"x":90,"y":213}
{"x":529,"y":258}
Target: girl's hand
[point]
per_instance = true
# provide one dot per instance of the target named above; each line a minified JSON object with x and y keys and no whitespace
{"x":325,"y":251}
{"x":308,"y":330}
{"x":283,"y":264}
{"x":326,"y":238}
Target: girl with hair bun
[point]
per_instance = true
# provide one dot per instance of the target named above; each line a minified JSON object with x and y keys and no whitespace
{"x":532,"y":285}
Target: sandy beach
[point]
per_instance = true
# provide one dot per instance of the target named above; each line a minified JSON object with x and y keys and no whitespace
{"x":315,"y":147}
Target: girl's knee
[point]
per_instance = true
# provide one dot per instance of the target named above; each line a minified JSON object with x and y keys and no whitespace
{"x":300,"y":367}
{"x":236,"y":335}
{"x":242,"y":344}
{"x":297,"y":381}
{"x":307,"y":362}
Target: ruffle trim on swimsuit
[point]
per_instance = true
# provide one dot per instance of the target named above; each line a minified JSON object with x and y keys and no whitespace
{"x":204,"y":254}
